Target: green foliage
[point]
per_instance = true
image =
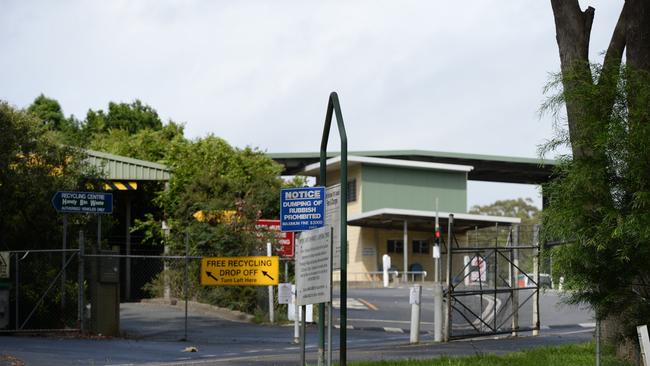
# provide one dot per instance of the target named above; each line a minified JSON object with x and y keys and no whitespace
{"x":522,"y":208}
{"x":130,"y":117}
{"x":567,"y":355}
{"x":49,"y":111}
{"x":213,"y":177}
{"x":33,"y":166}
{"x":600,"y":201}
{"x":146,"y":144}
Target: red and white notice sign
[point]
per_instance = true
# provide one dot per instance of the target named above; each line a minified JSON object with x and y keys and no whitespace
{"x":284,"y":239}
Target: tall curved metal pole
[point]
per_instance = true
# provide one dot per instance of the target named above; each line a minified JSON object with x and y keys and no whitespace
{"x":334,"y":107}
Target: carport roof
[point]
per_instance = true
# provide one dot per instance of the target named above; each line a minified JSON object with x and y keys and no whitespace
{"x":491,"y":168}
{"x":393,"y":218}
{"x":116,"y":167}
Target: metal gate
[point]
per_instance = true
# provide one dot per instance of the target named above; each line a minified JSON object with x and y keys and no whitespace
{"x":43,"y":291}
{"x":492,"y":281}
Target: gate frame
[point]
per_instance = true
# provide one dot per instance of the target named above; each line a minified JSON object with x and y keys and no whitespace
{"x":512,"y":247}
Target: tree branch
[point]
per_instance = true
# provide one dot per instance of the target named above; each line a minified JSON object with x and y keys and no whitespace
{"x":573,"y":28}
{"x":614,"y":53}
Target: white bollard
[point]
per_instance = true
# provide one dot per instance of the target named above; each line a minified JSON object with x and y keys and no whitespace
{"x":437,"y":312}
{"x":644,"y":342}
{"x":296,"y":317}
{"x":386,"y":264}
{"x":414,"y":299}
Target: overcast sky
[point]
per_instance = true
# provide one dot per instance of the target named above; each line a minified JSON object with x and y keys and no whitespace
{"x":433,"y":75}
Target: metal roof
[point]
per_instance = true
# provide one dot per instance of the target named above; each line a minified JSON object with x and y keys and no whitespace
{"x":116,"y":167}
{"x":491,"y":168}
{"x":393,"y":218}
{"x":335,"y":162}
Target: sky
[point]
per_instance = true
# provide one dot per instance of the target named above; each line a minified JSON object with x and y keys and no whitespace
{"x":430,"y":75}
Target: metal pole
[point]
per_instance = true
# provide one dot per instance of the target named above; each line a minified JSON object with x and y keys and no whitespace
{"x":515,"y":280}
{"x":187,"y":279}
{"x":303,"y":337}
{"x":63,"y":259}
{"x":405,"y":238}
{"x":597,"y":342}
{"x":536,"y":255}
{"x":81,"y":284}
{"x":329,"y":304}
{"x":296,"y":316}
{"x":334,"y":107}
{"x":436,"y":259}
{"x":286,"y":271}
{"x":496,"y":272}
{"x":17,"y":289}
{"x":271,"y":309}
{"x":448,"y":321}
{"x":128,"y":249}
{"x":99,"y":232}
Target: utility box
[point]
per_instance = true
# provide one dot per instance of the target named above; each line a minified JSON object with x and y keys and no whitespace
{"x":105,"y":295}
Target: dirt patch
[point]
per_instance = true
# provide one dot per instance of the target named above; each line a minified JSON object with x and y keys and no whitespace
{"x":9,"y":360}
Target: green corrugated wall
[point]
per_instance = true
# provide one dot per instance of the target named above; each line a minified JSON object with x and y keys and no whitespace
{"x":413,"y":189}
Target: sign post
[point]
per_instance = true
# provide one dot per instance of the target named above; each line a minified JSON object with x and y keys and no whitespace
{"x":334,"y":107}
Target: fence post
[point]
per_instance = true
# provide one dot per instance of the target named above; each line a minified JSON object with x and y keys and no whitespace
{"x":64,"y":245}
{"x":185,"y":282}
{"x":536,"y":258}
{"x":514,"y":264}
{"x":450,"y":284}
{"x":80,"y":301}
{"x":17,"y":290}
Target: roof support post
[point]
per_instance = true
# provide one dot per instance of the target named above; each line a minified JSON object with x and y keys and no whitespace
{"x":405,"y":279}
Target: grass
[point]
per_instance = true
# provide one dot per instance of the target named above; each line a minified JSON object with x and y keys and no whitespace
{"x":569,"y":355}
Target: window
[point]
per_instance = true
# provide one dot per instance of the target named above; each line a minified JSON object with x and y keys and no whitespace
{"x":352,"y":190}
{"x":420,"y":247}
{"x":395,"y":246}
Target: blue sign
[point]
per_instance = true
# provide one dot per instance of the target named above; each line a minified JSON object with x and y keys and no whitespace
{"x":83,"y":202}
{"x":302,"y":209}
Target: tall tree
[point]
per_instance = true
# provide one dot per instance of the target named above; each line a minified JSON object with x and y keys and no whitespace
{"x":49,"y":111}
{"x":130,"y":117}
{"x":601,"y":193}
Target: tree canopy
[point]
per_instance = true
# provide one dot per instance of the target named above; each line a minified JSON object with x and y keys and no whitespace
{"x":600,"y":196}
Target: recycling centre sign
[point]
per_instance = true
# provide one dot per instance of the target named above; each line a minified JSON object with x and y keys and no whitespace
{"x":239,"y":271}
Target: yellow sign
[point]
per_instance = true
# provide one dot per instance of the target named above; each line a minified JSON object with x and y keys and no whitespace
{"x":239,"y":271}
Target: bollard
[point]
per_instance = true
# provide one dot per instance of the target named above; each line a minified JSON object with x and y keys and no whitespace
{"x":437,"y":312}
{"x":386,"y":264}
{"x":414,"y":300}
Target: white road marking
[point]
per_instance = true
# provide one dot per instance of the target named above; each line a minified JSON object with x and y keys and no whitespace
{"x":352,"y":304}
{"x":385,"y":321}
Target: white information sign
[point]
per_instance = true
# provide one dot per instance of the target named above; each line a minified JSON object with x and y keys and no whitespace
{"x":284,"y":293}
{"x":4,"y":264}
{"x":333,"y":219}
{"x":414,"y":295}
{"x":313,"y":266}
